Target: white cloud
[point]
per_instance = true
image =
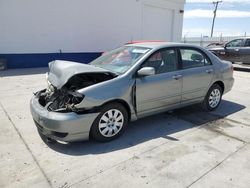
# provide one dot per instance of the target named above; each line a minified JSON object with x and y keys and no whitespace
{"x":224,"y":1}
{"x":200,"y":13}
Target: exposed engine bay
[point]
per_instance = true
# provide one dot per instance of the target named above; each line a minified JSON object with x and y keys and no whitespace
{"x":65,"y":99}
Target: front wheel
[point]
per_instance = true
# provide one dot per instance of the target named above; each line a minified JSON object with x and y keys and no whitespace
{"x":213,"y":98}
{"x":110,"y":123}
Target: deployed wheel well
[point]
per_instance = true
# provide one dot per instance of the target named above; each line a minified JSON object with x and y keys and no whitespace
{"x":123,"y":103}
{"x":221,"y":84}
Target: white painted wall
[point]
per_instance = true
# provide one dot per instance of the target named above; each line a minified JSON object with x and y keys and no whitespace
{"x":46,"y":26}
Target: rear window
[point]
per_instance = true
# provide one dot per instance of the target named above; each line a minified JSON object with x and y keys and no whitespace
{"x":192,"y":58}
{"x":247,"y":43}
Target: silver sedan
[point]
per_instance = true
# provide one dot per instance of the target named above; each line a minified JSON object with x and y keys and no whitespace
{"x":128,"y":83}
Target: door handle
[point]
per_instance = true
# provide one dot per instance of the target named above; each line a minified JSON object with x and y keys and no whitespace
{"x":236,"y":50}
{"x":177,"y":77}
{"x":209,"y":71}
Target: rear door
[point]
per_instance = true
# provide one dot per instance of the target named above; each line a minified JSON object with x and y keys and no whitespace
{"x":197,"y":72}
{"x":233,"y":49}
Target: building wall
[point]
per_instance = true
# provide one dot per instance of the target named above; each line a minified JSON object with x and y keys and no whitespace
{"x":81,"y":27}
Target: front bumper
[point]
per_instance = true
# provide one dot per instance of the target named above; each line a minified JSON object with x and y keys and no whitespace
{"x":66,"y":127}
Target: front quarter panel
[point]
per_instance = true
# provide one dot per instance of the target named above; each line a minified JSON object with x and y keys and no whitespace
{"x":119,"y":88}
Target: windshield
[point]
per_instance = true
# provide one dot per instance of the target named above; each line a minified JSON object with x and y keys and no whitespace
{"x":121,"y":59}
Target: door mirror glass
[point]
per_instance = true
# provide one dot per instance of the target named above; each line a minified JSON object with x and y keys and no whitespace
{"x":146,"y":71}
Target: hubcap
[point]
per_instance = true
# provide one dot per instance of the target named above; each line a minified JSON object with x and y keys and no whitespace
{"x":111,"y":123}
{"x":214,"y":98}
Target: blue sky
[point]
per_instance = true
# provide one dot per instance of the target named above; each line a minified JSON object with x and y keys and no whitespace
{"x":233,"y":18}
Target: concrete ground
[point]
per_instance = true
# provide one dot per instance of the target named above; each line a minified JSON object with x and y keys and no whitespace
{"x":186,"y":148}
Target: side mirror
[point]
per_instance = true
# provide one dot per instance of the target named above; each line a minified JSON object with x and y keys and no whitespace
{"x":146,"y":71}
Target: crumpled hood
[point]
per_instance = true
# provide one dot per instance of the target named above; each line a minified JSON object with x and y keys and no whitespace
{"x":61,"y":71}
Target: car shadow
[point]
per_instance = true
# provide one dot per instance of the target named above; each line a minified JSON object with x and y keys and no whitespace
{"x":25,"y":71}
{"x":158,"y":126}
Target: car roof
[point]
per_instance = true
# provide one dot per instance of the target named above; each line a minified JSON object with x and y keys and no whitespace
{"x":158,"y":45}
{"x":143,"y":41}
{"x":240,"y":38}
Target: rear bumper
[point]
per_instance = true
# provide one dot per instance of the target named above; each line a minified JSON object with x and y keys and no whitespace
{"x":61,"y":126}
{"x":228,"y":84}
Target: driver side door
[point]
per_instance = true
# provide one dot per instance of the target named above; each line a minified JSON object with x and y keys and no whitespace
{"x":232,"y":50}
{"x":162,"y":90}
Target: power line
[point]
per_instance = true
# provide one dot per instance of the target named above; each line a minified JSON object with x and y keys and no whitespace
{"x":216,"y":3}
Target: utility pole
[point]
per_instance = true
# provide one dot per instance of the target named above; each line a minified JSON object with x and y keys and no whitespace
{"x":216,"y":3}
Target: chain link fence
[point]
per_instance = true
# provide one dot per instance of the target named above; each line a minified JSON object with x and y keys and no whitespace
{"x":205,"y":41}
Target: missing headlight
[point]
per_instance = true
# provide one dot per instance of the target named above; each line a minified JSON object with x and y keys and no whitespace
{"x":59,"y":100}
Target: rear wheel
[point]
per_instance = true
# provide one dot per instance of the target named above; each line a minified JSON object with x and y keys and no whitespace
{"x":213,"y":98}
{"x":110,"y":123}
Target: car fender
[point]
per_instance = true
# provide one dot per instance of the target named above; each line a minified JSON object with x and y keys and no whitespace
{"x":120,"y":88}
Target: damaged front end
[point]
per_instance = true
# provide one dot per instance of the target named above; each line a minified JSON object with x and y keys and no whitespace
{"x":64,"y":80}
{"x":61,"y":100}
{"x":65,"y":99}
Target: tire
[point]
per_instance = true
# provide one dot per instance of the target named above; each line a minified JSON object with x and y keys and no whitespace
{"x":110,"y":123}
{"x":213,"y":98}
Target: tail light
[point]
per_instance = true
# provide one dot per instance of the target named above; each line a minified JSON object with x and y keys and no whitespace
{"x":232,"y":70}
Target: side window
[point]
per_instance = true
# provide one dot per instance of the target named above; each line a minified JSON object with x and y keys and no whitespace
{"x":192,"y":58}
{"x":247,"y":44}
{"x":163,"y":61}
{"x":235,"y":43}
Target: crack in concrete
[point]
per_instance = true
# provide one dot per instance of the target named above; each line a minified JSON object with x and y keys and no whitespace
{"x":206,"y":173}
{"x":223,"y":133}
{"x":235,"y":121}
{"x":26,"y":145}
{"x":215,"y":129}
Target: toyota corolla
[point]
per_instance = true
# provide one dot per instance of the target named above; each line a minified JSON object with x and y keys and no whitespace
{"x":99,"y":99}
